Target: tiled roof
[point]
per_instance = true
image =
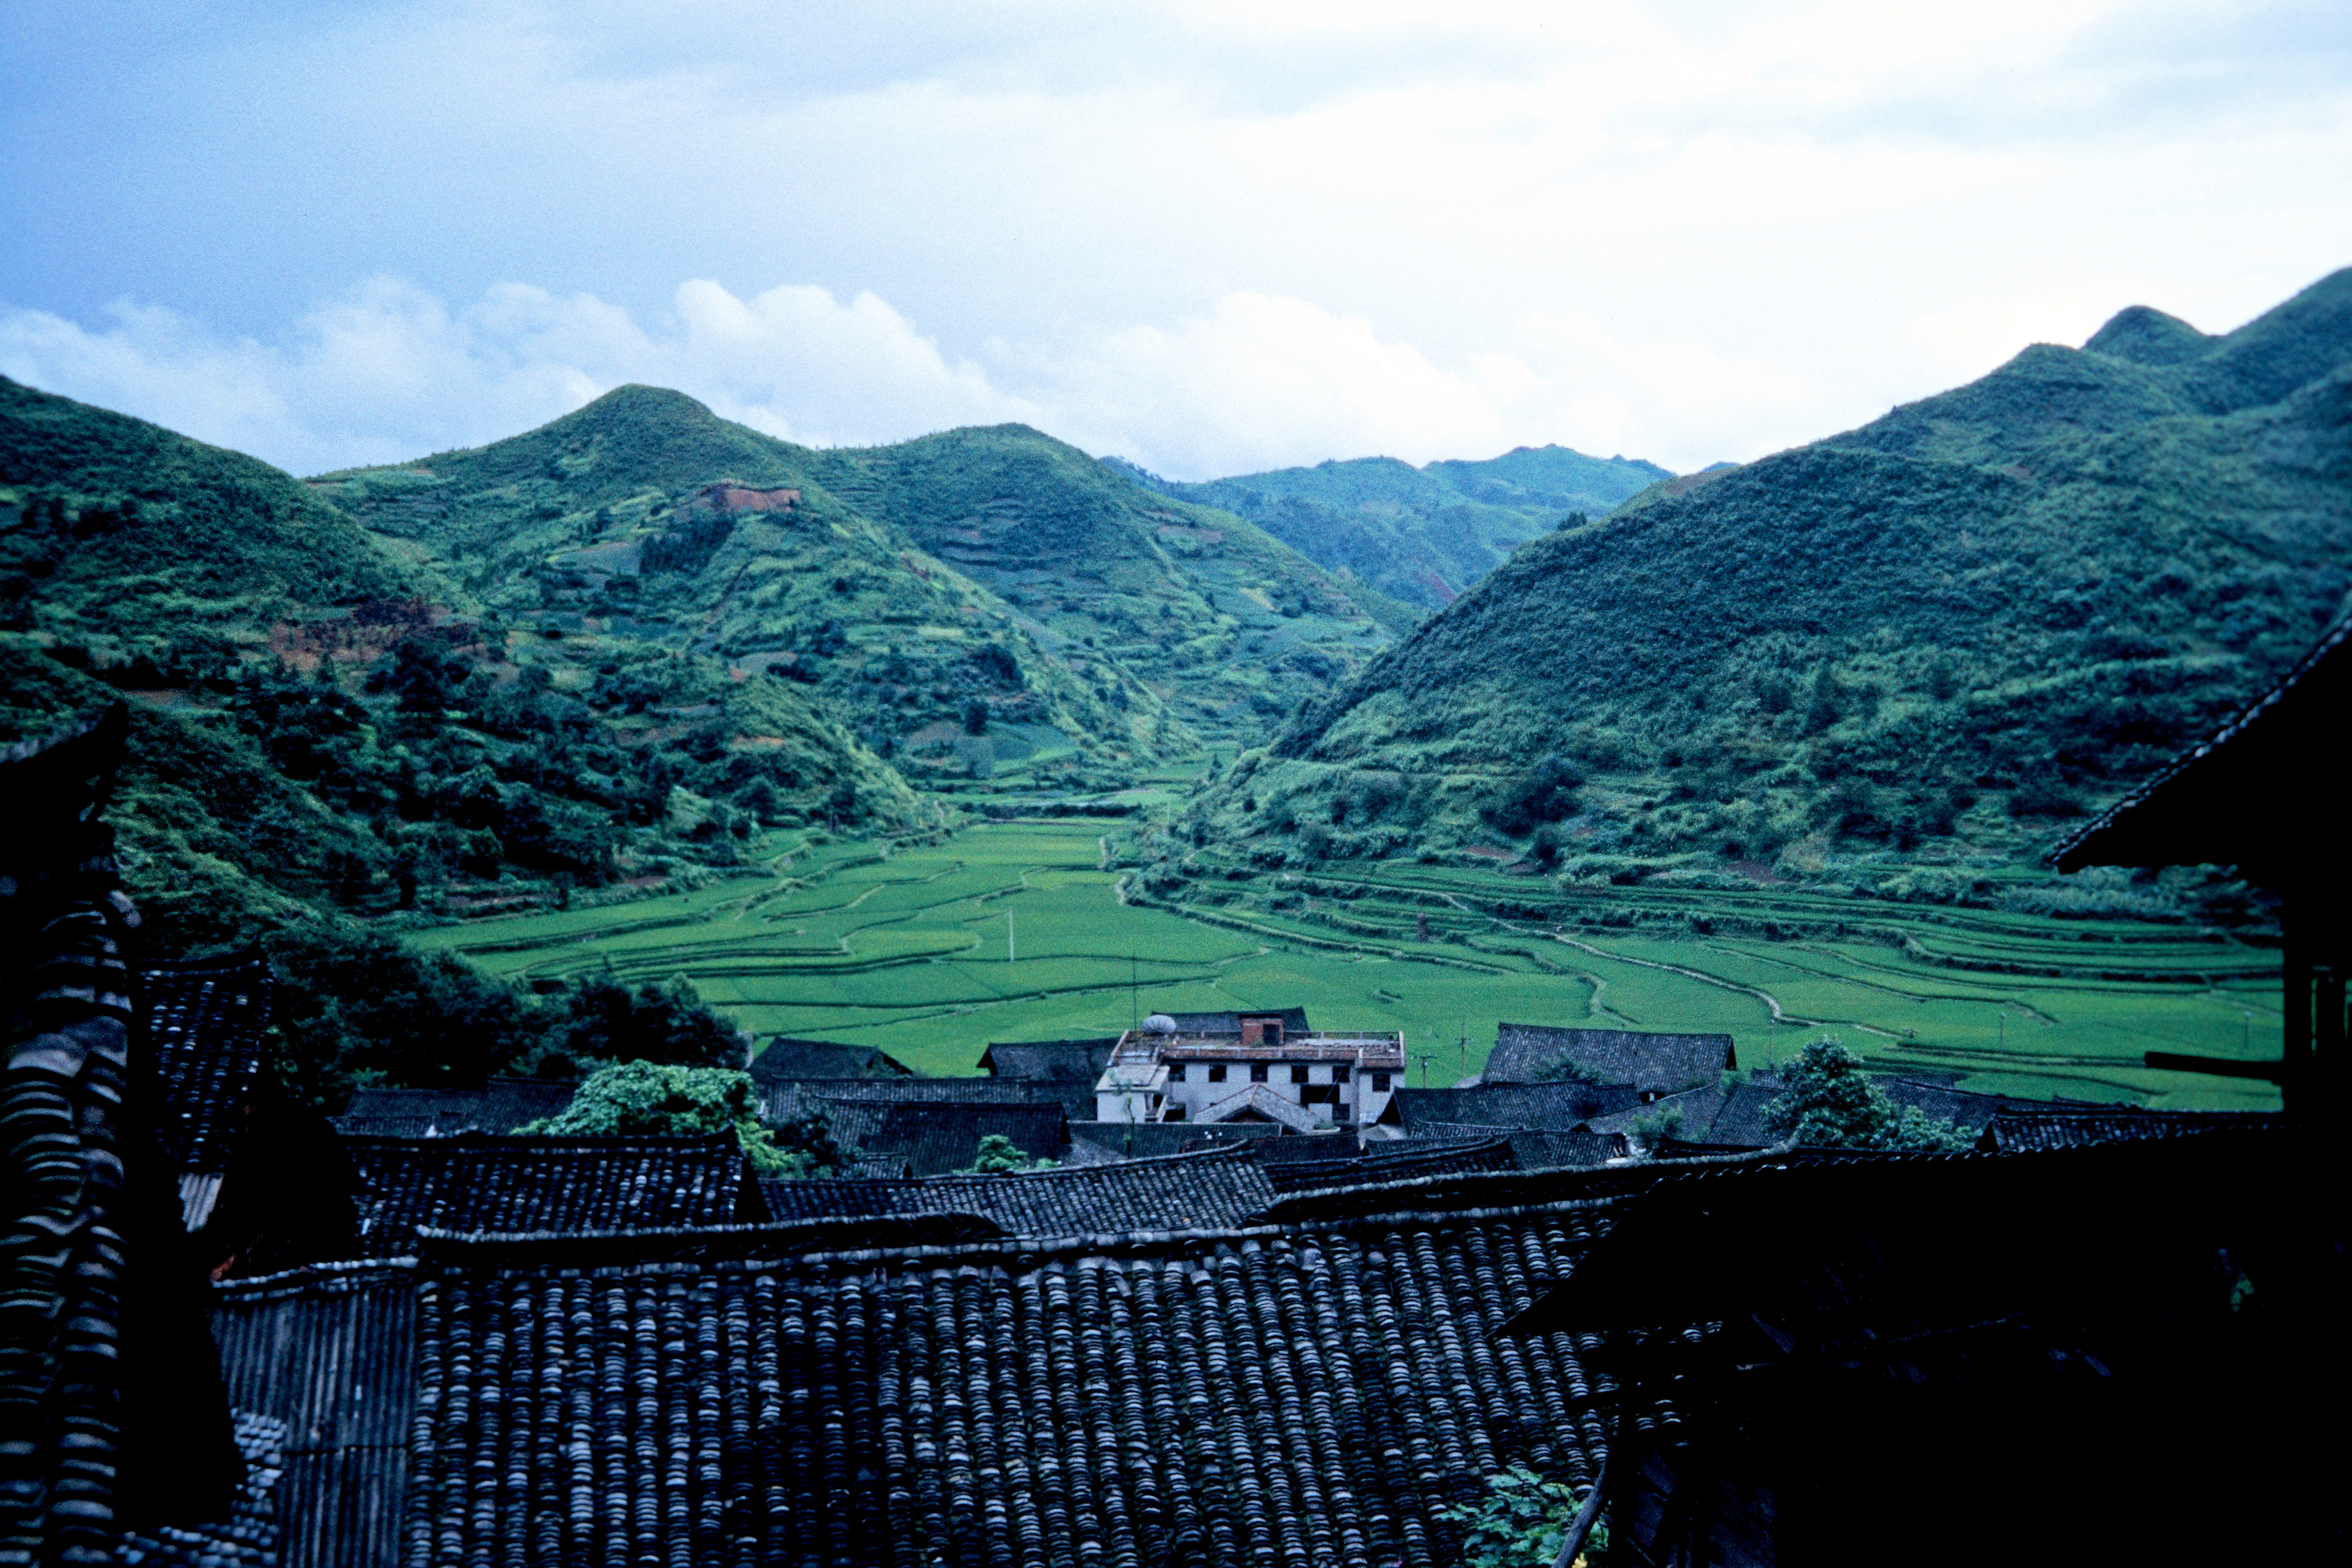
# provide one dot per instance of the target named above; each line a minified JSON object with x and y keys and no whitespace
{"x":1258,"y":1102}
{"x":332,"y":1352}
{"x":1295,"y":1397}
{"x":935,"y":1137}
{"x":780,"y":1100}
{"x":1148,"y":1140}
{"x":1537,"y":1148}
{"x":1393,"y":1162}
{"x":1048,"y":1062}
{"x":1559,"y":1105}
{"x":2017,"y":1128}
{"x":248,"y":1537}
{"x":783,"y":1060}
{"x":1654,"y":1063}
{"x":500,"y":1107}
{"x":205,"y":1023}
{"x":477,"y":1183}
{"x":1213,"y":1191}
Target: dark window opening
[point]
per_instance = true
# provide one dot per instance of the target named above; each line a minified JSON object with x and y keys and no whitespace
{"x":1320,"y":1094}
{"x":1175,"y":1072}
{"x":1379,"y":1083}
{"x":1297,"y":1073}
{"x":1339,"y":1072}
{"x":1217,"y":1073}
{"x":1257,"y":1072}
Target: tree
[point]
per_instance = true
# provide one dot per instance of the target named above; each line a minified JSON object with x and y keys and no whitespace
{"x":1000,"y":1155}
{"x":603,"y":1019}
{"x":1828,"y":1100}
{"x":1525,"y":1518}
{"x":656,"y":1099}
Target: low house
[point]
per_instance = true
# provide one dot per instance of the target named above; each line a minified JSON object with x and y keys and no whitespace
{"x":1654,"y":1064}
{"x":1261,"y":1071}
{"x":1215,"y":1190}
{"x":1061,"y":1070}
{"x":545,"y":1185}
{"x":503,"y":1106}
{"x":933,"y":1137}
{"x":783,"y":1059}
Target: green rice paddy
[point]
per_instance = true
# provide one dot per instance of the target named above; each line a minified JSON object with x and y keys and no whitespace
{"x":1016,"y":931}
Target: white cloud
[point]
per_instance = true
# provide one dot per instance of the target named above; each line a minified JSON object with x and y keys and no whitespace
{"x":389,"y":373}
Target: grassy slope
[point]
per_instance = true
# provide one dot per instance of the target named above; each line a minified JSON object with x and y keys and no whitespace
{"x":2029,"y":591}
{"x":1420,"y":535}
{"x":1234,"y":628}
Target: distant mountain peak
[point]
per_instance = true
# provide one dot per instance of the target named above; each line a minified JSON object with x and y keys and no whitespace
{"x":2144,"y":335}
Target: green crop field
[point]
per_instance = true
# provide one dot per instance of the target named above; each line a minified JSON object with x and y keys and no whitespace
{"x":1015,"y":931}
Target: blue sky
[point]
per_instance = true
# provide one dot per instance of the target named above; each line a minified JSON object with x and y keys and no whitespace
{"x":1212,"y":236}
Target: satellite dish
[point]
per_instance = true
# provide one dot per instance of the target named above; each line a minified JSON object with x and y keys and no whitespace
{"x":1159,"y":1024}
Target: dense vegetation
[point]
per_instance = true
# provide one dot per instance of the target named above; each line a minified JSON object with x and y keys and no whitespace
{"x":1420,"y":535}
{"x":967,"y":603}
{"x":1939,"y":635}
{"x":646,"y":1099}
{"x":318,"y":740}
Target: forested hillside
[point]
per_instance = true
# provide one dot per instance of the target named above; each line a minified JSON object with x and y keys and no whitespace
{"x":322,"y":727}
{"x":962,"y":602}
{"x":1420,"y":535}
{"x":1948,"y":630}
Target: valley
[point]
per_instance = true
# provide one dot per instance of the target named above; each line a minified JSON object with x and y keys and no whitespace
{"x":904,"y":946}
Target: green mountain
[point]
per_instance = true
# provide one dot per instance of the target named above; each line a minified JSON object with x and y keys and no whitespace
{"x":319,"y":724}
{"x":1231,"y":627}
{"x":967,"y":601}
{"x":1420,"y":535}
{"x":1937,"y":633}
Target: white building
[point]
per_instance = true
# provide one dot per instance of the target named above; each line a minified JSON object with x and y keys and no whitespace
{"x":1307,"y":1082}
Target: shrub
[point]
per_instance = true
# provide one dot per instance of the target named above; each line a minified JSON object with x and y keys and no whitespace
{"x":1525,"y":1518}
{"x":657,"y":1100}
{"x":1545,"y":793}
{"x":1829,"y":1101}
{"x":998,"y":1156}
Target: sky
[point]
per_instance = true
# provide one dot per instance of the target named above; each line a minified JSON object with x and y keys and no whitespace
{"x":1214,"y":238}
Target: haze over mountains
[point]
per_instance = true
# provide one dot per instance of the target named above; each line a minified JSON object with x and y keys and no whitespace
{"x":1423,"y":534}
{"x":1993,"y":608}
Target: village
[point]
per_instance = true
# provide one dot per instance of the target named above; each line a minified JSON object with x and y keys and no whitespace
{"x":1252,"y":1296}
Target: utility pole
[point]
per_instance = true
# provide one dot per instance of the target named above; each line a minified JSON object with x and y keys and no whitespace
{"x":1463,"y":1040}
{"x":1424,"y":1056}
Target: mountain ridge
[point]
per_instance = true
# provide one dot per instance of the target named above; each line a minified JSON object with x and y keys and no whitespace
{"x":1983,"y":610}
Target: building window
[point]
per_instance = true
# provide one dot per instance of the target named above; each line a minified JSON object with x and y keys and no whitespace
{"x":1379,"y":1083}
{"x":1257,"y":1072}
{"x":1297,"y":1072}
{"x":1217,"y":1072}
{"x":1175,"y":1113}
{"x":1175,"y":1072}
{"x":1339,"y":1072}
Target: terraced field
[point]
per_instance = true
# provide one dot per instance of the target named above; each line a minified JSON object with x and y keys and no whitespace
{"x":1016,"y":931}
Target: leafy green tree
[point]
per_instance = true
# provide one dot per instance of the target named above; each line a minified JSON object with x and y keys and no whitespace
{"x":601,"y":1019}
{"x":659,"y":1100}
{"x":1000,"y":1155}
{"x":1524,"y":1519}
{"x":1829,"y":1101}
